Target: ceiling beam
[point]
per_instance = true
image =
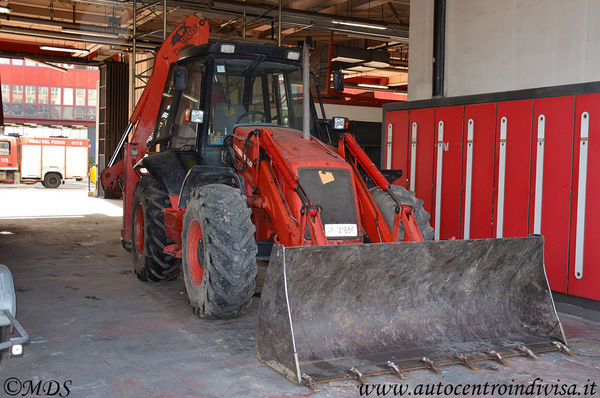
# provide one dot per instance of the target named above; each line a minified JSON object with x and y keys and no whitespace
{"x":291,"y":17}
{"x":49,"y":34}
{"x":39,"y":22}
{"x":49,"y":58}
{"x":91,"y":15}
{"x":300,"y":18}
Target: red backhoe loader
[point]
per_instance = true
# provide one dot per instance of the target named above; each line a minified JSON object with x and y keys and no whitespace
{"x":355,"y":286}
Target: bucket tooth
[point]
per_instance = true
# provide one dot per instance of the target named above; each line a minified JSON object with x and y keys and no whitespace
{"x":431,"y":365}
{"x":527,"y":352}
{"x":310,"y":383}
{"x":563,"y":348}
{"x":498,"y":357}
{"x":466,"y":361}
{"x":357,"y":374}
{"x":396,"y":369}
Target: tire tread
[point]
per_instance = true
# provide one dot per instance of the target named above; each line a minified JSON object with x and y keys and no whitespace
{"x":386,"y":206}
{"x":229,"y":276}
{"x":154,"y":265}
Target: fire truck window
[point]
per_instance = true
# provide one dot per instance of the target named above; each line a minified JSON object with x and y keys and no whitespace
{"x":4,"y":148}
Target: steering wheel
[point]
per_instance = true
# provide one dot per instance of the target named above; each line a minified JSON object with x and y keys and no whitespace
{"x":263,"y":117}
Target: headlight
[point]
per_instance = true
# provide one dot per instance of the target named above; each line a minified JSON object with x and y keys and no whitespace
{"x":340,"y":123}
{"x":227,"y":48}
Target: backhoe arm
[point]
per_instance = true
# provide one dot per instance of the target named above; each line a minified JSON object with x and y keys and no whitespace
{"x":119,"y":178}
{"x":192,"y":31}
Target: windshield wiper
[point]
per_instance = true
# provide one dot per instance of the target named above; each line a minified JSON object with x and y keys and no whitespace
{"x":254,"y":64}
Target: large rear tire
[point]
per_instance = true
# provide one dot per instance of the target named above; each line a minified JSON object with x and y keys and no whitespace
{"x":148,"y":233}
{"x":406,"y":197}
{"x":219,"y":252}
{"x":52,"y":180}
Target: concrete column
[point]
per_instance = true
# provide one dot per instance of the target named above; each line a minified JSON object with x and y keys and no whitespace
{"x":420,"y":59}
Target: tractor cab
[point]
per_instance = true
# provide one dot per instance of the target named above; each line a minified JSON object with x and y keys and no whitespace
{"x":215,"y":88}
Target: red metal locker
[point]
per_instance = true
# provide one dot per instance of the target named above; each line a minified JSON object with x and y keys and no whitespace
{"x":584,"y":264}
{"x":396,"y":122}
{"x":423,"y":120}
{"x":449,"y":128}
{"x":550,"y":197}
{"x":481,"y":120}
{"x":511,"y":210}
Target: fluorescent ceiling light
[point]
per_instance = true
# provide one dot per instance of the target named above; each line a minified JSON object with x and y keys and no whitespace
{"x":64,"y":49}
{"x":376,"y":64}
{"x":5,"y":10}
{"x":348,"y":60}
{"x":372,"y":86}
{"x":360,"y":25}
{"x":360,"y":68}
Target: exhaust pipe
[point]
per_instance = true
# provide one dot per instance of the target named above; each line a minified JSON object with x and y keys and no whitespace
{"x":306,"y":89}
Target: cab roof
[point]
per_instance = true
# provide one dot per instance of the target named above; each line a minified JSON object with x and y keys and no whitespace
{"x":232,"y":48}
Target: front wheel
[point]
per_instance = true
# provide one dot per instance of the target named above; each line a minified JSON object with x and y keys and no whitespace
{"x":387,"y":207}
{"x":219,"y":252}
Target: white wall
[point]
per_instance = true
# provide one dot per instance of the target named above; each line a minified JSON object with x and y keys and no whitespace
{"x":420,"y":56}
{"x":502,"y":45}
{"x":352,"y":112}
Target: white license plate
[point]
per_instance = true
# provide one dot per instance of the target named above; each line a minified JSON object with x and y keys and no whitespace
{"x":340,"y":230}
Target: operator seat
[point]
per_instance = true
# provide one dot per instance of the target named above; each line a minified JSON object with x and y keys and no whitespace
{"x":225,"y":117}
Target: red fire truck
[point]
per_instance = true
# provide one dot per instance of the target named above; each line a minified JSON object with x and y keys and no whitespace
{"x":49,"y":160}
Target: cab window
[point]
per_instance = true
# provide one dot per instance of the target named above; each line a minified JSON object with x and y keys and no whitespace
{"x":253,"y":91}
{"x":165,"y":115}
{"x":185,"y":131}
{"x":4,"y":148}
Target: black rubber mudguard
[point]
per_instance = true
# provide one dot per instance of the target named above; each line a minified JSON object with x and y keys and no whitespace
{"x":199,"y":176}
{"x":167,"y":168}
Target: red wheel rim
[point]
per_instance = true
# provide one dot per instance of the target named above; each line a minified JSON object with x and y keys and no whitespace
{"x":193,"y":253}
{"x":138,"y":229}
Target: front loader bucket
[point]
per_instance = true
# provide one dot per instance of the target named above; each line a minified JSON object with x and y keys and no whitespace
{"x":332,"y":312}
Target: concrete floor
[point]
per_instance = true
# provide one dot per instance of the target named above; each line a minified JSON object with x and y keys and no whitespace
{"x":91,"y":321}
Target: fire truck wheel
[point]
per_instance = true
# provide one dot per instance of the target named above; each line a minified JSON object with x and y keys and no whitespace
{"x":219,"y":252}
{"x":148,"y":233}
{"x":52,"y":180}
{"x":406,"y":197}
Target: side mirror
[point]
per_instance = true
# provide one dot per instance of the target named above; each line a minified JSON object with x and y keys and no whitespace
{"x":180,"y":78}
{"x":338,"y":81}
